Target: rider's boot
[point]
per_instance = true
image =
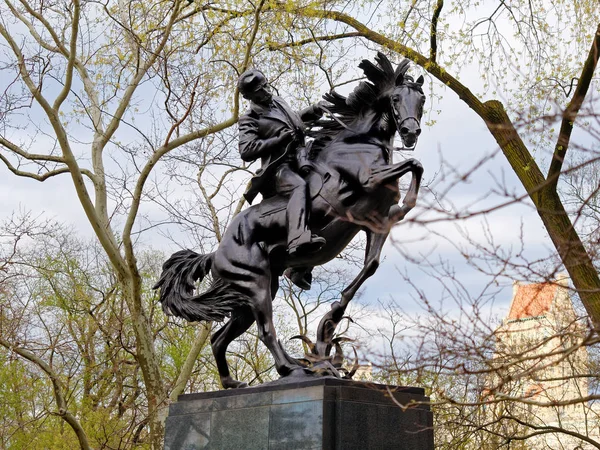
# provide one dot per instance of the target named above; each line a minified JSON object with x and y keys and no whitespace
{"x":300,"y":276}
{"x":306,"y":245}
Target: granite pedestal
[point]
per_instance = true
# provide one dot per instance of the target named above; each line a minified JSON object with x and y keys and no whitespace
{"x":322,"y":413}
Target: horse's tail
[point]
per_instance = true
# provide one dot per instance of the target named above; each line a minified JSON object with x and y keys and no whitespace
{"x":177,"y":284}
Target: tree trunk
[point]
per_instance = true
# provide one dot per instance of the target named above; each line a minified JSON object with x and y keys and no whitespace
{"x":549,"y":207}
{"x":146,"y":358}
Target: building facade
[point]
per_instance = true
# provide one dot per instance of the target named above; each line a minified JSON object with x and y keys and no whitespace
{"x":542,"y":369}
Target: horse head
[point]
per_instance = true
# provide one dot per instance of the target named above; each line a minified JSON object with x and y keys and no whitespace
{"x":407,"y":100}
{"x":391,"y":92}
{"x":388,"y":101}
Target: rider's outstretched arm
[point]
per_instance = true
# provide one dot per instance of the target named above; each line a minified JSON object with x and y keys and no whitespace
{"x":312,"y":113}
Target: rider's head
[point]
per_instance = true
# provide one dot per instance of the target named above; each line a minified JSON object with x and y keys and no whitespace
{"x":253,"y":86}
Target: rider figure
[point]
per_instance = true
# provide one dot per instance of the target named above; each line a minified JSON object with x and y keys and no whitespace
{"x":272,"y":131}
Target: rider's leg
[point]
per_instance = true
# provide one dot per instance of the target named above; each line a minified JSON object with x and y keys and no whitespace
{"x":289,"y":183}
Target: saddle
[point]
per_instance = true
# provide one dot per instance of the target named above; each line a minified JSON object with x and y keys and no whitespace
{"x":315,"y":179}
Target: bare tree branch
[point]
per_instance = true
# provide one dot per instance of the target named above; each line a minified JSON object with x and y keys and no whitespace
{"x":572,"y":110}
{"x":434,"y":24}
{"x":300,"y":43}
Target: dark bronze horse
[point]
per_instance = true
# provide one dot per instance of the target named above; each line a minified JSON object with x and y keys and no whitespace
{"x":353,"y":184}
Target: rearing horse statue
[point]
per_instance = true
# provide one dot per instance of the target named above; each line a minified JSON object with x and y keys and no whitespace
{"x":353,"y":184}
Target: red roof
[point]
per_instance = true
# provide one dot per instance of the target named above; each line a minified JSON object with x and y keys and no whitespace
{"x":532,"y":300}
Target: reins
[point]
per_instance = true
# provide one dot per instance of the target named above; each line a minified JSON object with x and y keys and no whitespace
{"x":324,"y":108}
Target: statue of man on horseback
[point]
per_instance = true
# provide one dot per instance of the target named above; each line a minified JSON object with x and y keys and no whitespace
{"x":353,"y":184}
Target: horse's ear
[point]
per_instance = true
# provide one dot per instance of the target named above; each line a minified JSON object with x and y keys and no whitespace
{"x":420,"y":80}
{"x":400,"y":72}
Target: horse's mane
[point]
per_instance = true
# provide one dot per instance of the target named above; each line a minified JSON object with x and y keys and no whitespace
{"x":381,"y":78}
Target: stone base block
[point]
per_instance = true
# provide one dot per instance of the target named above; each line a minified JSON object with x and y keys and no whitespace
{"x":321,"y":413}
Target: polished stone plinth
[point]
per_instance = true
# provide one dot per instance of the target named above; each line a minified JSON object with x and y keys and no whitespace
{"x":322,"y":413}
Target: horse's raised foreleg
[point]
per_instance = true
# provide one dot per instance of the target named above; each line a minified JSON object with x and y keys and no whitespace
{"x":240,"y":321}
{"x":331,"y":320}
{"x":397,"y":212}
{"x":386,"y":174}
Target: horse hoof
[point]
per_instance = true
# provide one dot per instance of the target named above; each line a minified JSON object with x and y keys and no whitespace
{"x":230,"y":383}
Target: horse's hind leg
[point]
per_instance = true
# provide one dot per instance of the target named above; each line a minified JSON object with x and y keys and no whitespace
{"x":240,"y":321}
{"x":262,"y":304}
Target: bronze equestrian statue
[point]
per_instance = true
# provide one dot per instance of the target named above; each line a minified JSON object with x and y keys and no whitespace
{"x":352,"y":183}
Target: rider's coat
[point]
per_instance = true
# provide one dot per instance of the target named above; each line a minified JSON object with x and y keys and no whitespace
{"x":259,"y":129}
